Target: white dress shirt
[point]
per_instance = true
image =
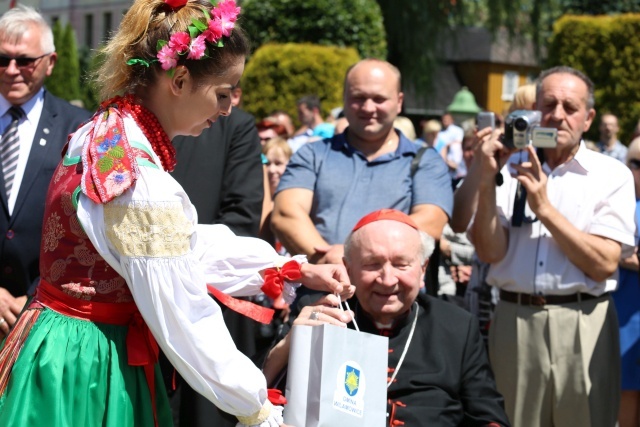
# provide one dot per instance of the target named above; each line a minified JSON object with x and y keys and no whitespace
{"x":26,"y":132}
{"x":593,"y":192}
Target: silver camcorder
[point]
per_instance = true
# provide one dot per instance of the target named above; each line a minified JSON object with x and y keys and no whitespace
{"x":522,"y":128}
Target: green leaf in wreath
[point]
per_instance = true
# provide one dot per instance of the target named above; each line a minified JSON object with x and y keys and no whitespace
{"x":193,"y":31}
{"x":199,"y":24}
{"x":138,"y":61}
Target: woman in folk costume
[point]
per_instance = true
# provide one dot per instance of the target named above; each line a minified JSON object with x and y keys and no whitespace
{"x":124,"y":264}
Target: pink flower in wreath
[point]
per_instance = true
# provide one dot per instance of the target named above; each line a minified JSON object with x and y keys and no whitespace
{"x":167,"y":57}
{"x":214,"y":32}
{"x":179,"y":42}
{"x":197,"y":47}
{"x":227,"y":27}
{"x":227,"y":11}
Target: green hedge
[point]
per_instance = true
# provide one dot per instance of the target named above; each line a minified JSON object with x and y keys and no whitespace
{"x":354,"y":23}
{"x":278,"y":74}
{"x":607,"y":49}
{"x":64,"y":81}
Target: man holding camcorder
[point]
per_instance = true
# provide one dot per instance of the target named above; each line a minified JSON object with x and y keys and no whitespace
{"x":553,"y":234}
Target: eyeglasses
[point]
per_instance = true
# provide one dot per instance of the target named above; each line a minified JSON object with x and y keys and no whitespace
{"x":21,"y":62}
{"x":634,"y":164}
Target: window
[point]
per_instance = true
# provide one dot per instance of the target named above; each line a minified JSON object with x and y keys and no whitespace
{"x":106,"y":25}
{"x":88,"y":30}
{"x":510,"y":82}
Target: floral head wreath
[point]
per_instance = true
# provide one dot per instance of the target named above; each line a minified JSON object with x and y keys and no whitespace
{"x":215,"y":24}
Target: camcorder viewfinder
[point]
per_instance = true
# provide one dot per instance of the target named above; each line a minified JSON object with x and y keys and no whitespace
{"x":522,"y":128}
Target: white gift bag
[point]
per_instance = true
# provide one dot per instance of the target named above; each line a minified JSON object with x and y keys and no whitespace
{"x":336,"y":377}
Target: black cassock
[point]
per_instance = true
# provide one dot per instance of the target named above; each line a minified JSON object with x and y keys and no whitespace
{"x":445,"y":378}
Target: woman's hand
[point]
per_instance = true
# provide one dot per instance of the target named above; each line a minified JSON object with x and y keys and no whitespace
{"x":332,"y":278}
{"x":325,"y":310}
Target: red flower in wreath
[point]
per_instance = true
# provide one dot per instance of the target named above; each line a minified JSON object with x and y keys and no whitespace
{"x":174,"y":4}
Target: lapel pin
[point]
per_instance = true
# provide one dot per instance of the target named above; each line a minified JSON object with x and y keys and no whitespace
{"x":43,"y":142}
{"x":46,"y":131}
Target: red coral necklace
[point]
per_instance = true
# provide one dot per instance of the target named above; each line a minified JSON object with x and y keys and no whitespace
{"x":150,"y":126}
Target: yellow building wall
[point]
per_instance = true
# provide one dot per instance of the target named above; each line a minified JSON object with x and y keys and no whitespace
{"x":484,"y":80}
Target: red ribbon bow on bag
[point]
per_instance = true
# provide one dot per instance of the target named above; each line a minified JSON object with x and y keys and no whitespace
{"x":275,"y":397}
{"x":274,"y":278}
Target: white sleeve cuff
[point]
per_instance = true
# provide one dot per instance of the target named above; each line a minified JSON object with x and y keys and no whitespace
{"x":290,"y":288}
{"x":268,"y":416}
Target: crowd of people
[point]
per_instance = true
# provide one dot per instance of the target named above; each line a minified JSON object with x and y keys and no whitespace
{"x":136,"y":265}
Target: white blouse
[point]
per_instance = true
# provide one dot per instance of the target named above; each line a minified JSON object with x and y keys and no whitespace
{"x":150,"y":235}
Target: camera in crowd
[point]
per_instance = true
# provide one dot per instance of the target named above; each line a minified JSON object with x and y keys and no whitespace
{"x":522,"y":128}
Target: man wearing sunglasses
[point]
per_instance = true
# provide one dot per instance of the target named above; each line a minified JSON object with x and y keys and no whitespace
{"x":33,"y":129}
{"x":553,"y":341}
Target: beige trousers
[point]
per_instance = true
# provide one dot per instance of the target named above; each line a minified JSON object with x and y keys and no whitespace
{"x":557,"y":365}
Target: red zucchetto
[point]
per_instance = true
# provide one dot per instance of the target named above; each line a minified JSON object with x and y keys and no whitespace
{"x":389,"y":214}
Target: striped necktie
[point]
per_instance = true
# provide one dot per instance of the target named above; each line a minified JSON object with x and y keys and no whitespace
{"x":10,"y":148}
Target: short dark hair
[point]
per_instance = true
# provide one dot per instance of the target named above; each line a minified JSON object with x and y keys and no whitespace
{"x":311,"y":101}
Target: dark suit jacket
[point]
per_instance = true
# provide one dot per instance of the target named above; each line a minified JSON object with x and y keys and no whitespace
{"x":20,"y":233}
{"x":221,"y":172}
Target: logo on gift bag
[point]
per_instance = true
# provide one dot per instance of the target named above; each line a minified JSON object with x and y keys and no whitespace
{"x":350,"y":388}
{"x":351,"y":380}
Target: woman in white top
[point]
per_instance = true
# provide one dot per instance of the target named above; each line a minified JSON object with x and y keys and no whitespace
{"x":124,"y":264}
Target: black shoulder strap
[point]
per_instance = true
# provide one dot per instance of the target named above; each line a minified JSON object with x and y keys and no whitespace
{"x":416,"y":160}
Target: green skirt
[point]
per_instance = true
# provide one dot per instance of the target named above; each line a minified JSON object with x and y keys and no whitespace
{"x":73,"y":372}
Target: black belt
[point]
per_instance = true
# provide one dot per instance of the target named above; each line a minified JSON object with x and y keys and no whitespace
{"x":539,"y":300}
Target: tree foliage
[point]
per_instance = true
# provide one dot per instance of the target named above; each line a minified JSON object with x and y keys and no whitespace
{"x":416,"y":29}
{"x":64,"y":81}
{"x":607,"y":49}
{"x":89,"y":63}
{"x":279,"y":74}
{"x":601,"y":7}
{"x":345,"y":23}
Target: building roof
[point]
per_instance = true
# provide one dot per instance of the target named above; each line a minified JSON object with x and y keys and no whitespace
{"x":467,"y":45}
{"x":474,"y":44}
{"x":446,"y":85}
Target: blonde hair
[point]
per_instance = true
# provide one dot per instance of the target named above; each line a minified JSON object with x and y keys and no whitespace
{"x":147,"y":22}
{"x":524,"y":98}
{"x":405,"y":125}
{"x":278,"y":142}
{"x":634,"y":150}
{"x":431,"y":126}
